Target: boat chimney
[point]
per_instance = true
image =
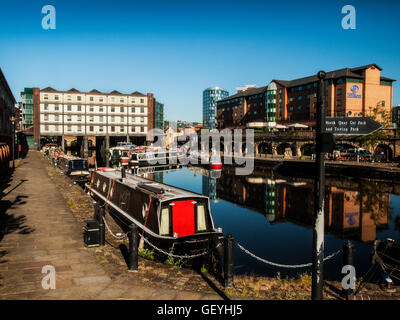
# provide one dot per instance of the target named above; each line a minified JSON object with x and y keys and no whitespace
{"x":123,"y":174}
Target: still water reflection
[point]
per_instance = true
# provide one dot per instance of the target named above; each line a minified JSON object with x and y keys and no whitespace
{"x":272,"y":216}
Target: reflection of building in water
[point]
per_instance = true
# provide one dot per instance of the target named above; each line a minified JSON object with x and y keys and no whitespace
{"x":210,"y":187}
{"x":159,"y":177}
{"x":348,"y":213}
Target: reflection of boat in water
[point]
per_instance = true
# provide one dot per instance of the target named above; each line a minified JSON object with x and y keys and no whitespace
{"x":167,"y":216}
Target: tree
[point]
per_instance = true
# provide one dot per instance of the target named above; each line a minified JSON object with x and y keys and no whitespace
{"x":381,"y":115}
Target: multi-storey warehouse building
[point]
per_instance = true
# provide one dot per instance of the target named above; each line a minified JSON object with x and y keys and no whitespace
{"x":70,"y":114}
{"x":349,"y":92}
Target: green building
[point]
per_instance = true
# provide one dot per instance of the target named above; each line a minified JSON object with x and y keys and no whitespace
{"x":159,"y":115}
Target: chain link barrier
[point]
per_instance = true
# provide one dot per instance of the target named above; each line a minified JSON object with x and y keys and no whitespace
{"x":294,"y":266}
{"x":124,"y":236}
{"x":175,"y":255}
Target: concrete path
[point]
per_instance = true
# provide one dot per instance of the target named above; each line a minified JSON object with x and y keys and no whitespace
{"x":37,"y":229}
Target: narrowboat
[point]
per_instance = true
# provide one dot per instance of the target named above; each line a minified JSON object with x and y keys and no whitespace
{"x":169,"y":218}
{"x":76,"y":168}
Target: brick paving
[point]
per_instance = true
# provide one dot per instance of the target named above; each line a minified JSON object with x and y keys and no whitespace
{"x":37,"y":228}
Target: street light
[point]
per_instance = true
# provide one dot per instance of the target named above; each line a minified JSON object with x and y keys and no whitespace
{"x":12,"y":118}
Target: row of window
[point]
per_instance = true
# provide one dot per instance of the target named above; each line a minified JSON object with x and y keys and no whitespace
{"x":91,"y":128}
{"x":100,"y":99}
{"x":91,"y":118}
{"x":91,"y":108}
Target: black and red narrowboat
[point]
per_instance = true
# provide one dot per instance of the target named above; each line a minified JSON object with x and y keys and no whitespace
{"x":170,"y":218}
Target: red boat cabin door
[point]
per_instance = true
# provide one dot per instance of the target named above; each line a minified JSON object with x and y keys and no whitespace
{"x":183,"y":218}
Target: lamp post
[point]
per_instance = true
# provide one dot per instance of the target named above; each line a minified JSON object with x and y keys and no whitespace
{"x":12,"y":118}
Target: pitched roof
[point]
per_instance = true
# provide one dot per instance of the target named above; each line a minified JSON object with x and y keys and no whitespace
{"x":345,"y":72}
{"x":246,"y":93}
{"x":115,"y":92}
{"x":137,"y":93}
{"x":73,"y":90}
{"x":94,"y":91}
{"x":49,"y":89}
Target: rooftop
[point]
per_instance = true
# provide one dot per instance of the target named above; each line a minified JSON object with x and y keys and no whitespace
{"x":93,"y":91}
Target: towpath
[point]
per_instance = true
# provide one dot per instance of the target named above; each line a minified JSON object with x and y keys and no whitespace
{"x":37,"y":229}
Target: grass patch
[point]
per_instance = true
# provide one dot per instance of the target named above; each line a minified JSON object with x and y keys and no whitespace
{"x":71,"y":203}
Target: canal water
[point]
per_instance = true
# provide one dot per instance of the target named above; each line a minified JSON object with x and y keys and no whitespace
{"x":272,"y":217}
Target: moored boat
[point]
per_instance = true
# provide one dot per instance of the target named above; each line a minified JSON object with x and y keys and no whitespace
{"x":168,"y":217}
{"x":76,"y":168}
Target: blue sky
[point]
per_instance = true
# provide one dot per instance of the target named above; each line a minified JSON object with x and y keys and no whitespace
{"x":176,"y":49}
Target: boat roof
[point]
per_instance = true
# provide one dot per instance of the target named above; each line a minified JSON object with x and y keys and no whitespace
{"x":146,"y":186}
{"x":71,"y":157}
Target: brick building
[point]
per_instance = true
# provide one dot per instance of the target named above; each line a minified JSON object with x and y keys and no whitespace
{"x":349,"y":92}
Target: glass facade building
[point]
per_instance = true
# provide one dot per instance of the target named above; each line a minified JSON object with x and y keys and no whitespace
{"x":27,"y":108}
{"x":159,"y":115}
{"x":210,"y":98}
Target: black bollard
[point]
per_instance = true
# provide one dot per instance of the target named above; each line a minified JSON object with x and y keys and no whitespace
{"x":348,"y":259}
{"x":102,"y":227}
{"x":133,"y":248}
{"x":123,"y":173}
{"x":228,"y":261}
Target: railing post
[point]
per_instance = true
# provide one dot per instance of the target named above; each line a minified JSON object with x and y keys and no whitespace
{"x":348,"y":259}
{"x":133,"y":248}
{"x":228,"y":261}
{"x":102,"y":229}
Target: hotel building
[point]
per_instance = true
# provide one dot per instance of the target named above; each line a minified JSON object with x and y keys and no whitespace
{"x":7,"y":107}
{"x":348,"y":92}
{"x":73,"y":113}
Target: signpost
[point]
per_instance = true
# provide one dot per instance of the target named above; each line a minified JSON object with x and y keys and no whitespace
{"x":351,"y":125}
{"x":326,"y":128}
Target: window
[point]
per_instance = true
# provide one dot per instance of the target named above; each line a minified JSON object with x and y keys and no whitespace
{"x":56,"y":118}
{"x":383,"y":103}
{"x":46,"y":117}
{"x":121,"y":119}
{"x":46,"y":128}
{"x":339,"y":91}
{"x":112,"y":109}
{"x":56,"y":128}
{"x":91,"y":99}
{"x":133,"y":101}
{"x":141,"y":110}
{"x":79,"y":98}
{"x":79,"y":118}
{"x":91,"y":109}
{"x":133,"y":110}
{"x":122,"y":109}
{"x":299,"y":107}
{"x":68,"y":118}
{"x":164,"y":221}
{"x":112,"y":119}
{"x":112,"y":99}
{"x":299,"y":97}
{"x":79,"y":128}
{"x":121,"y":129}
{"x":91,"y":128}
{"x":68,"y":97}
{"x":101,"y":99}
{"x":101,"y":118}
{"x":141,"y":129}
{"x":69,"y":107}
{"x":101,"y":129}
{"x":101,"y":109}
{"x":112,"y":129}
{"x":91,"y":119}
{"x":45,"y":97}
{"x":46,"y":106}
{"x":79,"y":108}
{"x":121,"y":100}
{"x":339,"y":102}
{"x":56,"y":97}
{"x":201,"y":218}
{"x":69,"y":128}
{"x":141,"y":100}
{"x":141,"y":119}
{"x":133,"y":129}
{"x":56,"y":107}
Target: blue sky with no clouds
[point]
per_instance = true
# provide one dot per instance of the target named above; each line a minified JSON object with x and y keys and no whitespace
{"x":176,"y":49}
